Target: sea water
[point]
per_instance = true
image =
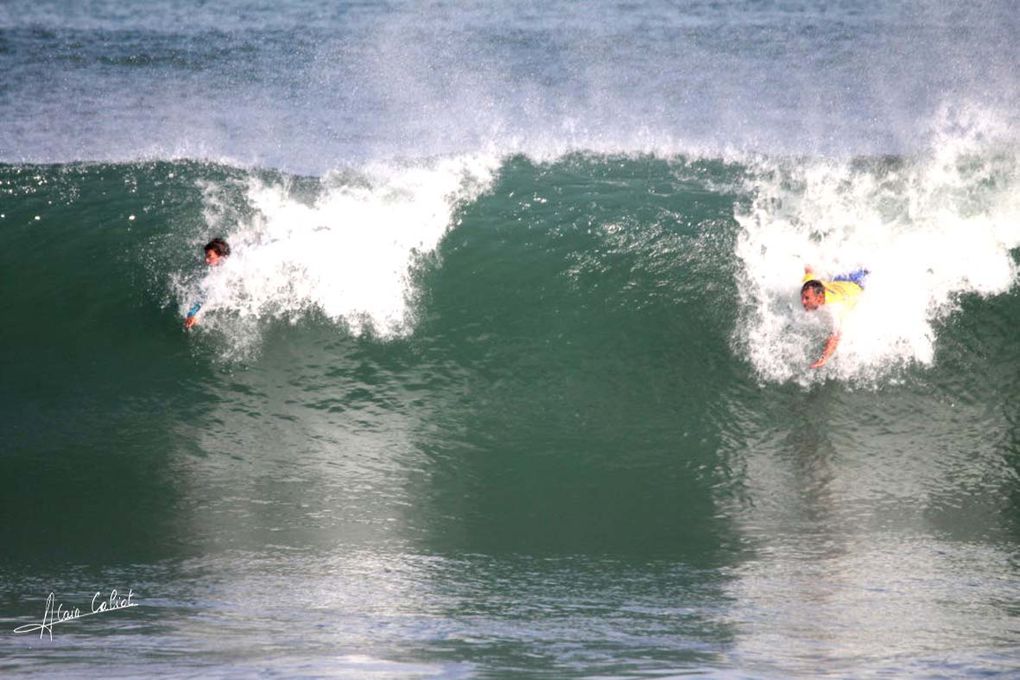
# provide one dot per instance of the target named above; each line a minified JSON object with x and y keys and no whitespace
{"x":506,"y":374}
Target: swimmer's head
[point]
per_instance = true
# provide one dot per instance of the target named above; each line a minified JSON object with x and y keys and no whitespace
{"x":215,"y":251}
{"x":812,"y":295}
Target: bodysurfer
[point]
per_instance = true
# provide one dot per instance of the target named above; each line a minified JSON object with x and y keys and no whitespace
{"x":836,"y":297}
{"x":216,"y":251}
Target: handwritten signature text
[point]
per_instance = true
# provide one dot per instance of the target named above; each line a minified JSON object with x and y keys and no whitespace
{"x":56,"y":613}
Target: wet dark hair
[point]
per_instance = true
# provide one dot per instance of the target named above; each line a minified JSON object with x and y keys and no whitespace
{"x":219,"y":246}
{"x":813,"y":284}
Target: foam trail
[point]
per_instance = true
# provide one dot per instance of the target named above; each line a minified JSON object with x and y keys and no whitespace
{"x":344,"y":252}
{"x":929,"y":229}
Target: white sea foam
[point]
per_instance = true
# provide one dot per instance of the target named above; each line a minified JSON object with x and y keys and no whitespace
{"x":344,"y":252}
{"x":929,"y":229}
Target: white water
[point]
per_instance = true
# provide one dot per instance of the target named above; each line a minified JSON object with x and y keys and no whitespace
{"x":930,"y":229}
{"x":346,"y":253}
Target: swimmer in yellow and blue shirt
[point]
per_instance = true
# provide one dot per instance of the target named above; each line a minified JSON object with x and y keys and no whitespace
{"x":837,"y":296}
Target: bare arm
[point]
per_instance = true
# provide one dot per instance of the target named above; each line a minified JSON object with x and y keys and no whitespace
{"x":830,"y":347}
{"x":192,"y":317}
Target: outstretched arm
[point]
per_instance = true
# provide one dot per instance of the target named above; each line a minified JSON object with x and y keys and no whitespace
{"x":830,"y":347}
{"x":192,"y":317}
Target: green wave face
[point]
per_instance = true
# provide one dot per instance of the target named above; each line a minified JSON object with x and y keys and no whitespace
{"x":579,"y":354}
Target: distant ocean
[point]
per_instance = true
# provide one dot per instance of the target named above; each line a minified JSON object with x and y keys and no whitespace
{"x":507,"y":373}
